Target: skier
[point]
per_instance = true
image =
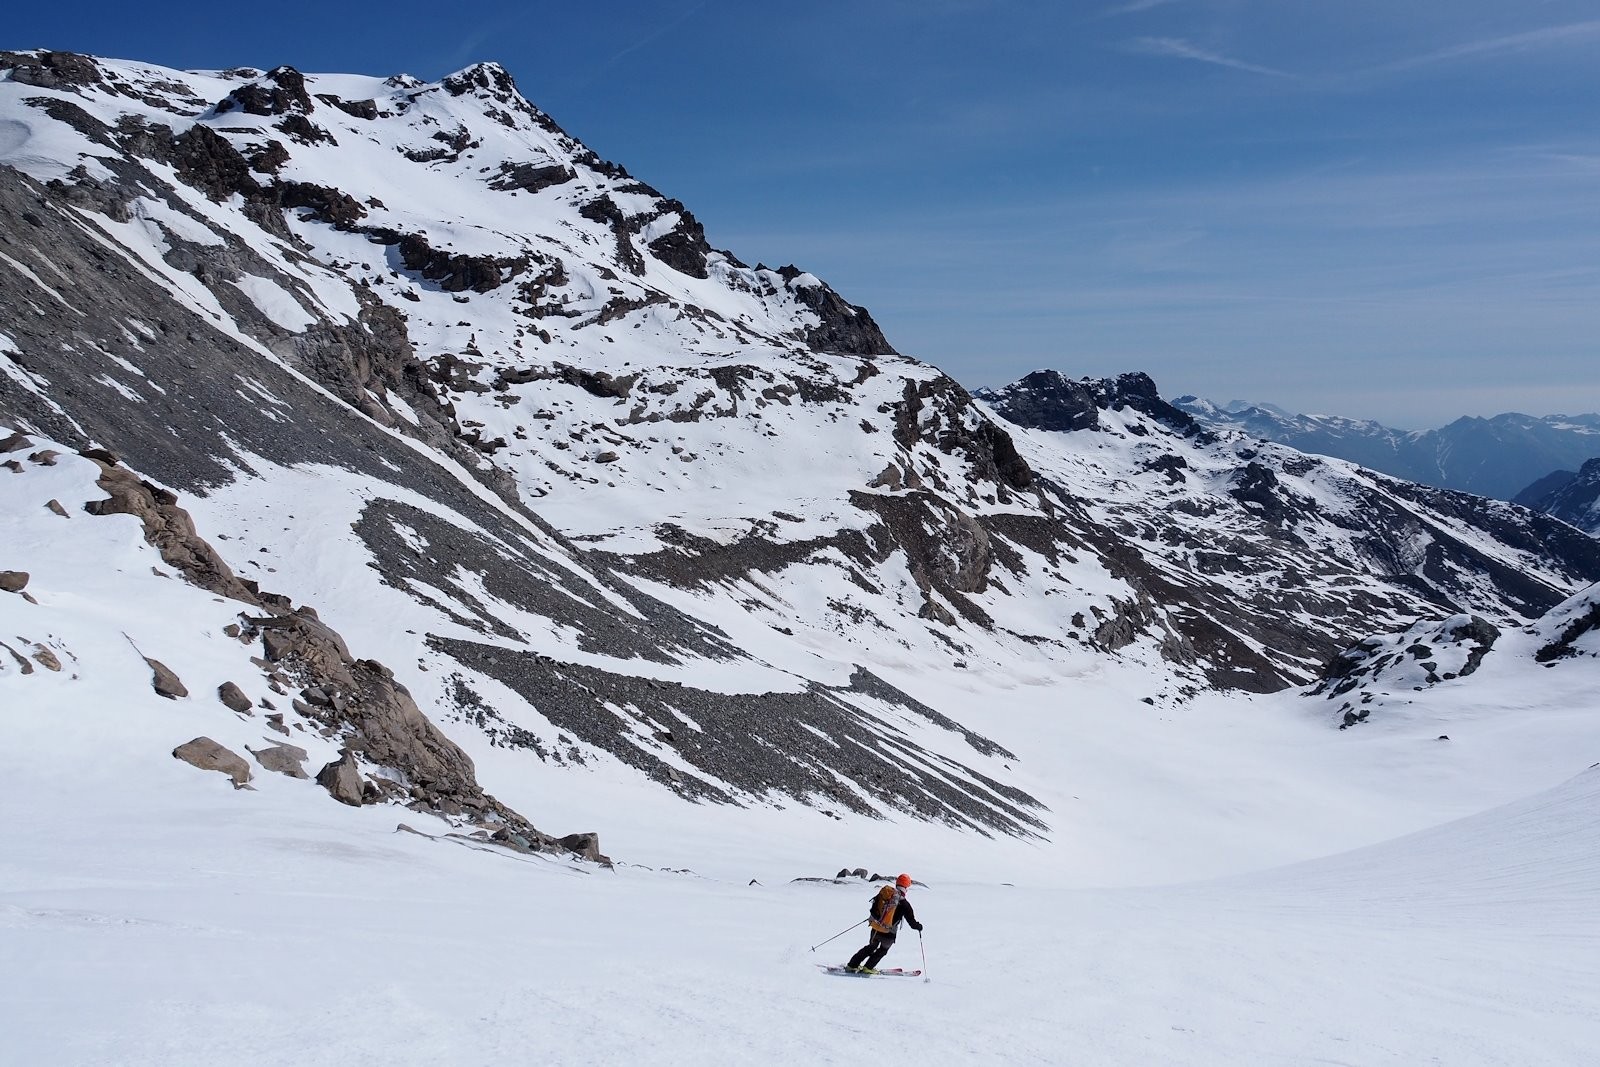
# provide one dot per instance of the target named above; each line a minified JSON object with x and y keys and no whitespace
{"x":888,"y":909}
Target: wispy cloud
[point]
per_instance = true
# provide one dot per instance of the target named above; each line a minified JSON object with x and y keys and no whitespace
{"x":658,"y":33}
{"x":1134,"y":6}
{"x":1178,"y":48}
{"x":1531,"y":40}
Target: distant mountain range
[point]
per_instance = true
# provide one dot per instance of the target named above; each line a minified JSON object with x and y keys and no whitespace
{"x":1497,"y":457}
{"x":1573,"y":496}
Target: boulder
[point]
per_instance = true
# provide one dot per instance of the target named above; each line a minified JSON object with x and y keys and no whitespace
{"x":13,"y":581}
{"x":342,"y":780}
{"x":586,"y":846}
{"x":284,"y":759}
{"x":164,"y":681}
{"x":208,"y":755}
{"x":231,"y":695}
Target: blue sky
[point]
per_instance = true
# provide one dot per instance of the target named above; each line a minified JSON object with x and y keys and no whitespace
{"x":1367,"y":208}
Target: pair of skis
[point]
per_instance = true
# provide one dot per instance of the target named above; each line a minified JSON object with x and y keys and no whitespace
{"x":887,"y":972}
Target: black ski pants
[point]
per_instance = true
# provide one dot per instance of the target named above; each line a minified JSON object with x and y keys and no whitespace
{"x":874,"y":950}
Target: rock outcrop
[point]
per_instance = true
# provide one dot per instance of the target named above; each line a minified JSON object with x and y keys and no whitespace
{"x":1380,"y":668}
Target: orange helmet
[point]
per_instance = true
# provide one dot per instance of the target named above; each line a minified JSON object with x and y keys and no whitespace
{"x":904,"y":881}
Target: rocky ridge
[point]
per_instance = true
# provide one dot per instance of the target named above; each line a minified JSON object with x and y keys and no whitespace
{"x":1253,"y":533}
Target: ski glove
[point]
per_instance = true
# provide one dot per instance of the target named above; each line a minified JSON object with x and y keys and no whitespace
{"x":917,"y":927}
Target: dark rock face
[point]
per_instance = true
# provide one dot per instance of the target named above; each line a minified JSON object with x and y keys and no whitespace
{"x":455,"y":272}
{"x":586,"y":846}
{"x":51,"y":70}
{"x":844,"y":327}
{"x":940,"y":412}
{"x":338,"y":209}
{"x":684,"y":248}
{"x":530,"y":177}
{"x":1048,"y":400}
{"x":604,"y":209}
{"x":283,"y":92}
{"x":212,"y":165}
{"x":489,"y":78}
{"x":1564,"y":645}
{"x":1259,"y":485}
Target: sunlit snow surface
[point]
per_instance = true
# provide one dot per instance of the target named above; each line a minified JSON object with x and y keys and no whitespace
{"x":188,"y":930}
{"x":153,"y":915}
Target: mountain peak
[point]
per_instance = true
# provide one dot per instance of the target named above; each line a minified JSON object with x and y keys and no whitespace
{"x":1048,"y":400}
{"x":486,"y":78}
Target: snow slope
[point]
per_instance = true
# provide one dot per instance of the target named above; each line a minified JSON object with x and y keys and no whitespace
{"x":181,"y":927}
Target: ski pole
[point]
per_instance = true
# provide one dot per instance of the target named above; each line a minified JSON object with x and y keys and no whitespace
{"x":924,"y":947}
{"x":840,"y":934}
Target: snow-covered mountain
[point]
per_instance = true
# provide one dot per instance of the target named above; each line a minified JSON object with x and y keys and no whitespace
{"x":1257,"y":535}
{"x":1495,"y":457}
{"x":1573,"y":496}
{"x":374,"y":438}
{"x":410,"y":352}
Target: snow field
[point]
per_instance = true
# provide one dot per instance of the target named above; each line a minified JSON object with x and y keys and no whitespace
{"x":184,"y":929}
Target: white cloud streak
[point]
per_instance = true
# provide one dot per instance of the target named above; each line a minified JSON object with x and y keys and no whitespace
{"x":1532,"y":40}
{"x":1133,"y":7}
{"x":1178,"y":48}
